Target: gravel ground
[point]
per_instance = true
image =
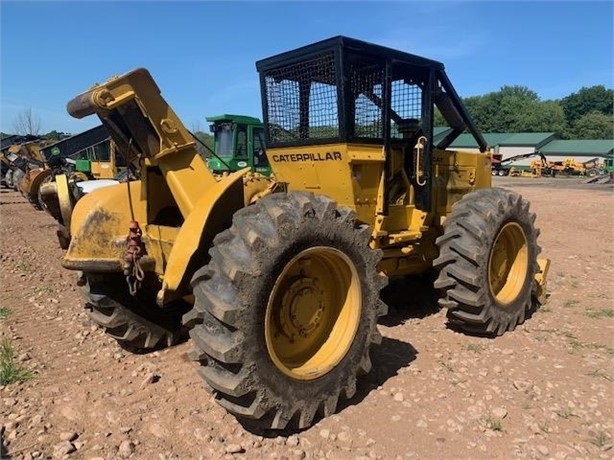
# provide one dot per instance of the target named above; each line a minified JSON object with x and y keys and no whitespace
{"x":542,"y":391}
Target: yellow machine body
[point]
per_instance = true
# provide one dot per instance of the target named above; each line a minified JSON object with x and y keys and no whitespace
{"x":353,"y":175}
{"x":179,"y":204}
{"x":32,"y":181}
{"x":280,"y":289}
{"x":36,"y":172}
{"x":174,"y":177}
{"x":103,"y":168}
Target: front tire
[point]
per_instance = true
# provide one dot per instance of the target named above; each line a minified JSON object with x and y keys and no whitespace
{"x":287,"y":307}
{"x":488,"y":261}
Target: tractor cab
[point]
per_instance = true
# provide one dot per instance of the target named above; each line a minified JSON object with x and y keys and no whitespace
{"x":238,"y":143}
{"x":100,"y":161}
{"x":343,"y":114}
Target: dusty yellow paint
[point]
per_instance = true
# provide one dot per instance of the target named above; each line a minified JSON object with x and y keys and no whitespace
{"x":175,"y":177}
{"x":353,"y":175}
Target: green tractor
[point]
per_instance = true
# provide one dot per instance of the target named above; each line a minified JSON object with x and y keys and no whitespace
{"x":238,"y":144}
{"x":608,"y":165}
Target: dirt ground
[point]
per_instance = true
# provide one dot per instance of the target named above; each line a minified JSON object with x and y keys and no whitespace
{"x":542,"y":391}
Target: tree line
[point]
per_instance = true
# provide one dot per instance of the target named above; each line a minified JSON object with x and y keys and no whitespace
{"x":585,"y":114}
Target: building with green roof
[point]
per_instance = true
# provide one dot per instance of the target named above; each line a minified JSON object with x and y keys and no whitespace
{"x":505,"y":144}
{"x":510,"y":142}
{"x":548,"y":143}
{"x":579,"y":148}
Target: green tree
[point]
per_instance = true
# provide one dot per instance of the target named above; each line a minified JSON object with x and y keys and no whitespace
{"x":438,"y":119}
{"x":593,"y":125}
{"x":206,"y":139}
{"x":593,"y":99}
{"x":56,"y":135}
{"x":512,"y":108}
{"x":546,"y":116}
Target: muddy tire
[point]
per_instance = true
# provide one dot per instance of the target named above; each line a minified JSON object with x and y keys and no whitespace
{"x":17,"y":176}
{"x":487,"y":262}
{"x":286,"y":310}
{"x":8,"y":179}
{"x":137,"y":323}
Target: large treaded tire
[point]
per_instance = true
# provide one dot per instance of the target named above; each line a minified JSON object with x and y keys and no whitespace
{"x":475,"y":235}
{"x":17,"y":176}
{"x":137,"y":323}
{"x":8,"y":178}
{"x":232,"y":298}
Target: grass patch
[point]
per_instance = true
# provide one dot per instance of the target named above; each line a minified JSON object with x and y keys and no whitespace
{"x":577,"y":344}
{"x":493,"y":423}
{"x":569,"y":335}
{"x":4,"y":312}
{"x":600,"y":438}
{"x":10,"y":371}
{"x":44,"y":289}
{"x":569,"y":303}
{"x":544,"y":427}
{"x":600,"y":373}
{"x":601,"y":313}
{"x":565,"y":413}
{"x":446,"y":366}
{"x":24,"y":267}
{"x":475,"y":347}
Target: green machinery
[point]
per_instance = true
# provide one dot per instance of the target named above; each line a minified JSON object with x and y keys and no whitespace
{"x":609,"y":164}
{"x":238,"y":143}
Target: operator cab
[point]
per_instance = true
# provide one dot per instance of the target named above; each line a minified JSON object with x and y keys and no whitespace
{"x":343,"y":91}
{"x":238,"y":143}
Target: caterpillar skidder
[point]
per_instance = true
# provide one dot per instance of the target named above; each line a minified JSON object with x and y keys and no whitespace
{"x":278,"y":279}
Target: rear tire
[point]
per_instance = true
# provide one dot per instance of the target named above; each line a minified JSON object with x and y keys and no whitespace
{"x":137,"y":323}
{"x":286,"y":310}
{"x":488,"y":261}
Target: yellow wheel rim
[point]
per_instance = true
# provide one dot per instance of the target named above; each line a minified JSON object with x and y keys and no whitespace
{"x":313,"y":313}
{"x":508,"y":263}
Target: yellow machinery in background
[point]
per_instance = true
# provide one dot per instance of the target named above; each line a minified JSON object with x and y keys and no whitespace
{"x":31,"y":171}
{"x":278,"y":279}
{"x":99,"y":161}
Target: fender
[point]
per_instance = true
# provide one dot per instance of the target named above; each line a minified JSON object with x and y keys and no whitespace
{"x":32,"y":181}
{"x":212,"y":214}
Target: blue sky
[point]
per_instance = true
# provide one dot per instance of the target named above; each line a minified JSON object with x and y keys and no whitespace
{"x":203,"y":54}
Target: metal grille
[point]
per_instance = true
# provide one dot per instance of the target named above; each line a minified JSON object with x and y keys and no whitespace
{"x":406,"y":99}
{"x":366,"y":86}
{"x":406,"y":102}
{"x":314,"y":78}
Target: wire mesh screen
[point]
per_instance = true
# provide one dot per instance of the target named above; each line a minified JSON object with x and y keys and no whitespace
{"x":302,"y":100}
{"x":367,"y":90}
{"x":406,"y":102}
